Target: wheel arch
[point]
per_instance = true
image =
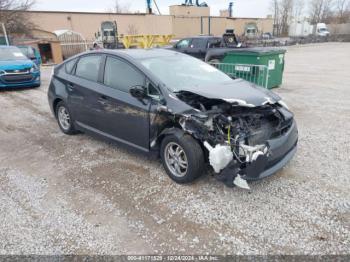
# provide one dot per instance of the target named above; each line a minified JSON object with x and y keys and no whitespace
{"x":178,"y":132}
{"x":169,"y":131}
{"x":55,"y":103}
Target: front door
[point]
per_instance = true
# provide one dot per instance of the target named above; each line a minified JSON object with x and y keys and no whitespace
{"x":184,"y":46}
{"x":122,"y":116}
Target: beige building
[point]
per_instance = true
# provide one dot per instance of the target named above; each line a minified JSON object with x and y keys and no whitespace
{"x":192,"y":11}
{"x":183,"y":21}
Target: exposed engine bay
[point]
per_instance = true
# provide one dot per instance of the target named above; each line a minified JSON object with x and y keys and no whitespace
{"x":235,"y":134}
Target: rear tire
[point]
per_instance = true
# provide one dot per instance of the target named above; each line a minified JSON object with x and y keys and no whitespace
{"x":182,"y":158}
{"x":64,"y":119}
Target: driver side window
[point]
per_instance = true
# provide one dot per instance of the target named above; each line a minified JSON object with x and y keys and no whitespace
{"x":185,"y":43}
{"x":153,"y":92}
{"x":121,"y":75}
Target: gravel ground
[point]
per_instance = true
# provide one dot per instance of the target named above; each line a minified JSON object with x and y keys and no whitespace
{"x":78,"y":195}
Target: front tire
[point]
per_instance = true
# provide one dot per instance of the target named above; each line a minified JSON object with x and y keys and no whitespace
{"x":64,"y":119}
{"x":182,"y":158}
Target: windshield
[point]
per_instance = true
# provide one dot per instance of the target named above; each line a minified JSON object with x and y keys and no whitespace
{"x":27,"y":51}
{"x":11,"y":53}
{"x":323,"y":30}
{"x":179,"y":71}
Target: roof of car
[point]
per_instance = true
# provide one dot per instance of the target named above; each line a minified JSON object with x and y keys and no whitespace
{"x":140,"y":54}
{"x":204,"y":36}
{"x":7,"y":46}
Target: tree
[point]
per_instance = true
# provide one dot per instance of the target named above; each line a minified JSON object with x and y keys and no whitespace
{"x":321,"y":11}
{"x":298,"y":9}
{"x":275,"y":9}
{"x":286,"y":10}
{"x":13,"y":15}
{"x":120,"y":8}
{"x":342,"y":11}
{"x":283,"y":10}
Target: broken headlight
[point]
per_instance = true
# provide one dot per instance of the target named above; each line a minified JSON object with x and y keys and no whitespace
{"x":34,"y":68}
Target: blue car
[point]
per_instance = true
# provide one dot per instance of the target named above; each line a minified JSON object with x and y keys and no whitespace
{"x":17,"y":70}
{"x":31,"y":53}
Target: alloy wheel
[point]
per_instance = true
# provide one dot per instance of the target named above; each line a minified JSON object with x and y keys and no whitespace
{"x":176,"y":159}
{"x":64,"y":118}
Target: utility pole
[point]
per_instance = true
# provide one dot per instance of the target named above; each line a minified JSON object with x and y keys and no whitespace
{"x":275,"y":22}
{"x":5,"y":34}
{"x":230,"y":9}
{"x":155,"y":2}
{"x":149,"y":6}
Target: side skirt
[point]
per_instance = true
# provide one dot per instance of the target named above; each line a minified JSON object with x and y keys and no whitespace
{"x":84,"y":127}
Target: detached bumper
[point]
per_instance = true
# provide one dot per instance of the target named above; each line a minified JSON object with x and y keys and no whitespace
{"x":282,"y":150}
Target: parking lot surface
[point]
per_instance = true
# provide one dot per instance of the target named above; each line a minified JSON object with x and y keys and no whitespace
{"x":77,"y":194}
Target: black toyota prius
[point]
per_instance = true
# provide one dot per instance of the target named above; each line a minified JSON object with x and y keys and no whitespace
{"x":179,"y":107}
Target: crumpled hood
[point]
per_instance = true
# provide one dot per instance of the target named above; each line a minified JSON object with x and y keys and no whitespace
{"x":15,"y":64}
{"x":238,"y":91}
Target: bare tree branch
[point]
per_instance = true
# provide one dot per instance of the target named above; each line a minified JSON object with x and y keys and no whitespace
{"x":120,"y":8}
{"x":342,"y":11}
{"x":321,"y":11}
{"x":13,"y":15}
{"x":298,"y":9}
{"x":283,"y":10}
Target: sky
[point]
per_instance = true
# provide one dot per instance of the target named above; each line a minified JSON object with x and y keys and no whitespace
{"x":242,"y":8}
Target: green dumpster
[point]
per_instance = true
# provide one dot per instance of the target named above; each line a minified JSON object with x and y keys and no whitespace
{"x":263,"y":66}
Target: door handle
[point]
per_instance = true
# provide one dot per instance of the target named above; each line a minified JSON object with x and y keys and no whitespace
{"x":70,"y":86}
{"x":103,"y":100}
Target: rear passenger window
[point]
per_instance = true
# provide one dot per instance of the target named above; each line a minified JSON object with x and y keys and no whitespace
{"x":88,"y":67}
{"x":69,"y":66}
{"x":122,"y":76}
{"x":199,"y":43}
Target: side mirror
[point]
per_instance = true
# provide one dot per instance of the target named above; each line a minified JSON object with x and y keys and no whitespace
{"x":138,"y":92}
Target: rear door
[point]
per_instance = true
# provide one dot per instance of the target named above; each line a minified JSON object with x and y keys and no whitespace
{"x":84,"y":88}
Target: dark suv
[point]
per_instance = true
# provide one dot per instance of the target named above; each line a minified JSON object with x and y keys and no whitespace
{"x":178,"y":106}
{"x":198,"y":46}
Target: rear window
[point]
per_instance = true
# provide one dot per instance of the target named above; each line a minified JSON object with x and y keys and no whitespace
{"x":27,"y":51}
{"x":70,"y":65}
{"x":88,"y":67}
{"x":214,"y":43}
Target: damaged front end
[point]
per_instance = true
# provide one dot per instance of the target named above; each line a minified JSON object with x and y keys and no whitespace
{"x":243,"y":141}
